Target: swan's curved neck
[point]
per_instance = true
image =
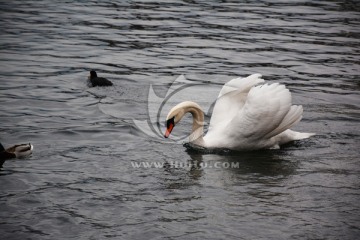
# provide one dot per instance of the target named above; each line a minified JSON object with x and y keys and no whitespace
{"x":197,"y":131}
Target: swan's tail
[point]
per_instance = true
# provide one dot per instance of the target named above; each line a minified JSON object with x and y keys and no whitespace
{"x":299,"y":135}
{"x":290,"y":135}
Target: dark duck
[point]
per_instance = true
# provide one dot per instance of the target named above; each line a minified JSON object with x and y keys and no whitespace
{"x":16,"y":151}
{"x":95,"y":81}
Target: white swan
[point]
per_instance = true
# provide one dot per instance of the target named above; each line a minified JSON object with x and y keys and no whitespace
{"x":245,"y":117}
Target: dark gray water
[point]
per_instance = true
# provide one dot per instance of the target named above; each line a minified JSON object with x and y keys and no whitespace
{"x":80,"y":182}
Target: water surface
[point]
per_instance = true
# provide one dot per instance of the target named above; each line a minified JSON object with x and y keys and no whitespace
{"x":80,"y":183}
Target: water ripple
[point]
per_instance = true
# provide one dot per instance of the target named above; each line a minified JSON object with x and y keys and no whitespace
{"x":80,"y":183}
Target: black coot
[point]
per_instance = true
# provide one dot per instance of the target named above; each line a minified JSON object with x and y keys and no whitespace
{"x":95,"y":81}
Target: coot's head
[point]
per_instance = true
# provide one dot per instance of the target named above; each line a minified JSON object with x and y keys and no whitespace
{"x":92,"y":74}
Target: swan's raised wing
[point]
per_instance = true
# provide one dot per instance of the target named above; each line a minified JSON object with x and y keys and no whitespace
{"x":232,"y":98}
{"x":267,"y":112}
{"x":241,"y":84}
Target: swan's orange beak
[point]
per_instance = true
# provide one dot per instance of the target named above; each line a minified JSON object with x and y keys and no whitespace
{"x":168,"y":131}
{"x":170,"y":124}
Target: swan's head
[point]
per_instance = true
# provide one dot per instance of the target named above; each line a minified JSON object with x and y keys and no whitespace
{"x":173,"y":118}
{"x":177,"y":113}
{"x":21,"y":150}
{"x":92,"y":75}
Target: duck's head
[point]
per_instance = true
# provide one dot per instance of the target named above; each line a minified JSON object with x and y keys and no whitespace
{"x":2,"y":148}
{"x":92,"y":74}
{"x":21,"y":150}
